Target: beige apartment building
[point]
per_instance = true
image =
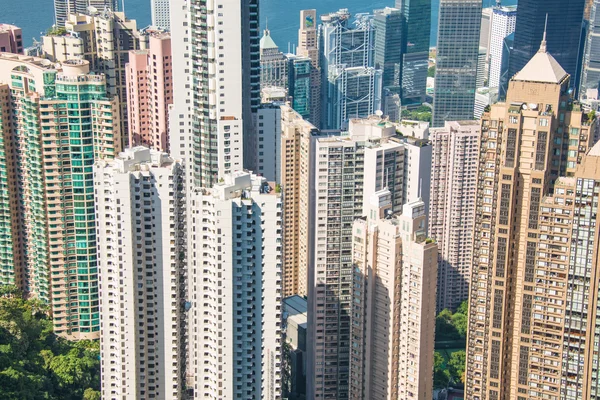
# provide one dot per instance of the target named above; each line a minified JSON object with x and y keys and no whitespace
{"x":393,"y":316}
{"x":454,"y":165}
{"x":533,"y":286}
{"x":296,"y":136}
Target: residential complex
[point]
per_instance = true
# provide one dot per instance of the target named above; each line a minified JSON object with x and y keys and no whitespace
{"x":234,"y":289}
{"x":11,"y":39}
{"x":393,"y":316}
{"x":104,"y":39}
{"x":345,"y":171}
{"x":529,"y":300}
{"x":54,"y":243}
{"x":456,"y":61}
{"x":454,"y":165}
{"x":210,"y":128}
{"x":149,"y":78}
{"x":296,"y":139}
{"x":63,"y":8}
{"x":141,"y":259}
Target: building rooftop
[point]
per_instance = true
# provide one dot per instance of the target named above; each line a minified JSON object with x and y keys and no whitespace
{"x":595,"y":150}
{"x":295,"y":308}
{"x":267,"y":42}
{"x":542,"y":68}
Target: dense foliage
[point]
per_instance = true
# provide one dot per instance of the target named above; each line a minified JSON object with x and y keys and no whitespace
{"x":450,"y":333}
{"x":421,"y":113}
{"x":35,"y":363}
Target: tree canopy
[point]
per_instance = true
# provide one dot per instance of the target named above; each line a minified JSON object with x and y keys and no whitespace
{"x":35,"y":363}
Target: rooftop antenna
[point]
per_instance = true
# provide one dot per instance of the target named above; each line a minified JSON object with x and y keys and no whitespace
{"x":543,"y":45}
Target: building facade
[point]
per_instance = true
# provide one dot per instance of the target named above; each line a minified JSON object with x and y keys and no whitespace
{"x":415,"y":49}
{"x":308,"y":46}
{"x":56,"y":228}
{"x":563,"y":31}
{"x":504,"y":19}
{"x":456,"y":61}
{"x":525,"y":321}
{"x":149,"y":77}
{"x":454,"y":164}
{"x":393,"y":318}
{"x":296,"y":139}
{"x":213,"y":115}
{"x":351,"y":86}
{"x":140,"y":203}
{"x":63,"y":8}
{"x":273,"y":63}
{"x":299,"y":84}
{"x":344,"y":171}
{"x":11,"y":39}
{"x":161,"y":14}
{"x":104,"y":39}
{"x":234,"y":290}
{"x":590,"y":72}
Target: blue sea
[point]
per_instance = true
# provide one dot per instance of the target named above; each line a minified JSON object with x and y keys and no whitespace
{"x":36,"y":16}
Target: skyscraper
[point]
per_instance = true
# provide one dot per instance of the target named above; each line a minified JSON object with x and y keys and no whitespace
{"x":416,"y":15}
{"x":55,"y":239}
{"x":387,"y":24}
{"x":563,"y":33}
{"x":528,"y":313}
{"x":161,"y":14}
{"x":62,"y":8}
{"x":118,"y":36}
{"x":344,"y":172}
{"x":149,"y":77}
{"x":351,"y":86}
{"x":393,"y":318}
{"x":234,"y":290}
{"x":503,"y":24}
{"x":454,"y":165}
{"x":300,"y":73}
{"x":141,"y":229}
{"x":308,"y":47}
{"x":296,"y":139}
{"x":216,"y":81}
{"x":590,"y":72}
{"x":456,"y":62}
{"x":273,"y":63}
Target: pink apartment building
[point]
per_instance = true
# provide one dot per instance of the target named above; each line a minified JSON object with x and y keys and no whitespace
{"x":11,"y":39}
{"x":149,"y":92}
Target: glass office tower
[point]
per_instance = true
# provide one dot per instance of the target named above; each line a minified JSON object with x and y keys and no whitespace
{"x":456,"y":68}
{"x":563,"y":33}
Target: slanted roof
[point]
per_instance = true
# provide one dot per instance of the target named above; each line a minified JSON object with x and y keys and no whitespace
{"x":266,"y":42}
{"x":542,"y":67}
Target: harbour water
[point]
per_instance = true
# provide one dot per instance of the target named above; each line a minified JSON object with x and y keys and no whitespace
{"x":281,"y":16}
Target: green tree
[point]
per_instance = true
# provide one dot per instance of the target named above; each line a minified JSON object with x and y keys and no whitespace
{"x":441,"y":375}
{"x":457,"y":365}
{"x":91,"y":394}
{"x":431,"y":72}
{"x":35,"y":363}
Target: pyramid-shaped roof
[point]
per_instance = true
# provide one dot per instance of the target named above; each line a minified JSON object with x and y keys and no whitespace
{"x":266,"y":42}
{"x":542,"y":68}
